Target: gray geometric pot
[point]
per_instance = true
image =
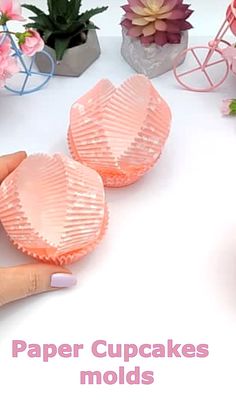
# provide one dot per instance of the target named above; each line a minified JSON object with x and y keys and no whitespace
{"x":75,"y":61}
{"x":152,"y":60}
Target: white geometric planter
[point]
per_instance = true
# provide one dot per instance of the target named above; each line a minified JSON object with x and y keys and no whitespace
{"x":75,"y":61}
{"x":152,"y":60}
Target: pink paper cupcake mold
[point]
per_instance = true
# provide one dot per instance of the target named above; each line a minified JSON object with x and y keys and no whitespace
{"x":119,"y":132}
{"x":53,"y":208}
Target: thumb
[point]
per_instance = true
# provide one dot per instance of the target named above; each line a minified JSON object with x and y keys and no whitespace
{"x":23,"y":281}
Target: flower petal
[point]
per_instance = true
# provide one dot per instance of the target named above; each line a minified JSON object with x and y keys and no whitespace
{"x":135,"y":31}
{"x":126,"y":23}
{"x":130,"y":15}
{"x":155,"y":4}
{"x":139,"y":21}
{"x":142,"y":11}
{"x":185,"y":26}
{"x":6,"y":6}
{"x":174,"y":38}
{"x":170,"y":5}
{"x":161,"y":38}
{"x":134,"y":3}
{"x":12,"y":9}
{"x":149,"y":29}
{"x":147,"y":40}
{"x":160,"y":25}
{"x":126,"y":8}
{"x":173,"y":27}
{"x":150,"y":18}
{"x":143,"y":2}
{"x":173,"y":15}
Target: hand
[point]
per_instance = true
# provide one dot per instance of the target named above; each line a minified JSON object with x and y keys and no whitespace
{"x":23,"y":281}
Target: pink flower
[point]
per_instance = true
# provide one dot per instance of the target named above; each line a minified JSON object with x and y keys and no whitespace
{"x":31,"y":42}
{"x":231,"y":14}
{"x":228,"y":107}
{"x":225,"y":108}
{"x":230,"y":53}
{"x":156,"y":21}
{"x":10,"y":10}
{"x":8,"y":64}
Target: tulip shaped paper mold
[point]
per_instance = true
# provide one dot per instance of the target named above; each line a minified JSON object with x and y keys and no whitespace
{"x":119,"y":132}
{"x":53,"y":208}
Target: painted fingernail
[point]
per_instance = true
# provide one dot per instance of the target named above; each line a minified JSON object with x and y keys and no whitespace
{"x":63,"y":280}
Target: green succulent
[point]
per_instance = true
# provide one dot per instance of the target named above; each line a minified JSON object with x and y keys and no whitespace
{"x":64,"y":26}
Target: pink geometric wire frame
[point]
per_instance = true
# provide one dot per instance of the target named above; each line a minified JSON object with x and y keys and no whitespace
{"x":205,"y":58}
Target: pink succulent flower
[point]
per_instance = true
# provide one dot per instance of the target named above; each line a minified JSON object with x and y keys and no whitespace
{"x":156,"y":21}
{"x":10,"y":10}
{"x":31,"y":42}
{"x":225,"y":107}
{"x":8,"y":64}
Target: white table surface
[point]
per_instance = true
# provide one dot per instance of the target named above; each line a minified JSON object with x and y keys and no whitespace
{"x":166,"y":268}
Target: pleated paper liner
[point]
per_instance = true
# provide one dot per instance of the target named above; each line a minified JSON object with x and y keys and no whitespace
{"x":120,"y":132}
{"x":54,"y":208}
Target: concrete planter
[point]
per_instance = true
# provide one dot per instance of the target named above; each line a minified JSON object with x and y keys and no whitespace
{"x":152,"y":60}
{"x":75,"y":61}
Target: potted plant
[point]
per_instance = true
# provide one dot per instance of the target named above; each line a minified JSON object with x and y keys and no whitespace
{"x":154,"y":33}
{"x":69,"y":35}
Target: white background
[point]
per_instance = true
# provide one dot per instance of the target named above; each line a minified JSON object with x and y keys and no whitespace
{"x":208,"y":13}
{"x":166,"y":268}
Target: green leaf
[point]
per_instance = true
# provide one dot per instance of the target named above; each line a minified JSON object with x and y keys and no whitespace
{"x":61,"y":20}
{"x":33,"y":9}
{"x":47,"y":34}
{"x":74,"y":8}
{"x":72,"y":30}
{"x":90,"y":25}
{"x":32,"y":25}
{"x":57,"y":7}
{"x":61,"y":45}
{"x":233,"y":107}
{"x":62,"y":27}
{"x":50,"y":7}
{"x":85,"y":17}
{"x":43,"y":22}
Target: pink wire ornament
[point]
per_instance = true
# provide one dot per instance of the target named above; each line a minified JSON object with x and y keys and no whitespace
{"x":53,"y":208}
{"x":210,"y":64}
{"x":119,"y":132}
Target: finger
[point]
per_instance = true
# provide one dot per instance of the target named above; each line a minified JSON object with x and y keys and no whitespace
{"x":23,"y":281}
{"x":10,"y":162}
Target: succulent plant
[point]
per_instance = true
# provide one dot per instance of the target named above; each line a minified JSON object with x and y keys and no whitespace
{"x":156,"y":21}
{"x":64,"y":26}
